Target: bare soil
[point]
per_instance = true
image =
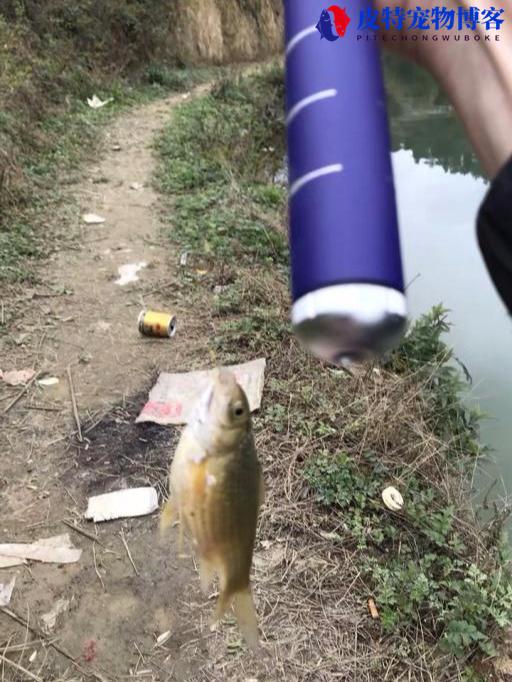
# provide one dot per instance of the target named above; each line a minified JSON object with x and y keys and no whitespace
{"x":78,"y":317}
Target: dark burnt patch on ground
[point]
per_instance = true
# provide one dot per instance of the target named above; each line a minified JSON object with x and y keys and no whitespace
{"x":118,"y":453}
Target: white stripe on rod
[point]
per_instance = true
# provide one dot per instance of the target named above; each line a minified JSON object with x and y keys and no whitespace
{"x":311,"y":99}
{"x":293,"y":42}
{"x":313,"y":175}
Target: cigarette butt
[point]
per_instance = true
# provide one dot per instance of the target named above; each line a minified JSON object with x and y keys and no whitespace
{"x":372,"y":608}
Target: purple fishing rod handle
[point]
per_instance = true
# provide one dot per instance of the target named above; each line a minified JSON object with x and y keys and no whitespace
{"x":343,"y":219}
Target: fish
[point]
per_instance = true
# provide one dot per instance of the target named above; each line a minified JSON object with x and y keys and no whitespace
{"x":324,"y":27}
{"x":216,"y":489}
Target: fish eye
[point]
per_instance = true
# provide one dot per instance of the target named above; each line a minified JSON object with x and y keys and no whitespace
{"x":238,"y":410}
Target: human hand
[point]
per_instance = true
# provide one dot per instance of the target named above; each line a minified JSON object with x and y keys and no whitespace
{"x":476,"y":75}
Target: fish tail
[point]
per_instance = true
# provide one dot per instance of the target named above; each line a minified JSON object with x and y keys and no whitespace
{"x":243,"y":605}
{"x":223,"y":604}
{"x":167,"y":516}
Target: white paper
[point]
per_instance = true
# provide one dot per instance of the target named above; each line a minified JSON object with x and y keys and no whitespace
{"x":93,"y":219}
{"x":56,"y":550}
{"x":122,"y":504}
{"x":174,"y":396}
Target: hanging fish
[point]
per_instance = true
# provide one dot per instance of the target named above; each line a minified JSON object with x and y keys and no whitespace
{"x":216,"y":489}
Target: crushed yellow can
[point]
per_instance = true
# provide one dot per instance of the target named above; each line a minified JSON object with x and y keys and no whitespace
{"x":153,"y":323}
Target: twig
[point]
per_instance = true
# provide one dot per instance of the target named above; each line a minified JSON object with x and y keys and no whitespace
{"x":43,"y":408}
{"x":73,"y":402}
{"x":22,"y":392}
{"x":97,"y":421}
{"x":14,"y":648}
{"x":26,"y":672}
{"x":96,"y":566}
{"x":85,"y":533}
{"x":121,"y":534}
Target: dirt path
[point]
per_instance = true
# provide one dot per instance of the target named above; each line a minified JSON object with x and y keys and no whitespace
{"x":82,"y":318}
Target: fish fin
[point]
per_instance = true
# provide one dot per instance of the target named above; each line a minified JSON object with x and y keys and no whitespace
{"x":223,"y":604}
{"x":243,"y":605}
{"x":206,"y":574}
{"x":167,"y":516}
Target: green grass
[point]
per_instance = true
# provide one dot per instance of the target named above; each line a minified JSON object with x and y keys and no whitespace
{"x":59,"y":142}
{"x":440,"y":581}
{"x":220,"y":213}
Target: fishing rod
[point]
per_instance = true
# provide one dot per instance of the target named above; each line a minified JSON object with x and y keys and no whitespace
{"x":346,"y":268}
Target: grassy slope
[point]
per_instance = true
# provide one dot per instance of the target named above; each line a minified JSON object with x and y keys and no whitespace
{"x":331,"y":442}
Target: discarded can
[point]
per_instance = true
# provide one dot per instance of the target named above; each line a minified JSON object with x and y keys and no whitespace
{"x":153,"y":323}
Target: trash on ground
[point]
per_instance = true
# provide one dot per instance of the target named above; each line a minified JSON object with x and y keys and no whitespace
{"x":392,"y":499}
{"x":96,"y":103}
{"x":162,"y":639}
{"x":174,"y":396}
{"x":128,"y":273}
{"x":137,"y":186}
{"x":17,"y":377}
{"x":93,"y":219}
{"x":122,"y":504}
{"x":48,"y":381}
{"x":49,"y":619}
{"x":372,"y":608}
{"x":116,"y":147}
{"x":54,"y":550}
{"x":154,"y":323}
{"x":184,"y":258}
{"x":32,"y":656}
{"x":6,"y":592}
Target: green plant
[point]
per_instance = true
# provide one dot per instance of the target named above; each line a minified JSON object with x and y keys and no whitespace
{"x":440,"y":583}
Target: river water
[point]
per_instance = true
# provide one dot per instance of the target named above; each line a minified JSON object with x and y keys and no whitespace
{"x":439,"y":188}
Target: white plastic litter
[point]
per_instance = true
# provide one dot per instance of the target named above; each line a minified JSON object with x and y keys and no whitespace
{"x":392,"y":499}
{"x":48,"y":381}
{"x":6,"y":592}
{"x":93,"y":219}
{"x":161,"y":639}
{"x":49,"y":619}
{"x":122,"y":504}
{"x":96,"y":103}
{"x":128,"y":273}
{"x":137,"y":186}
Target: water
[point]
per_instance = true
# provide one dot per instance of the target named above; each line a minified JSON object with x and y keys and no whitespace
{"x":439,"y":189}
